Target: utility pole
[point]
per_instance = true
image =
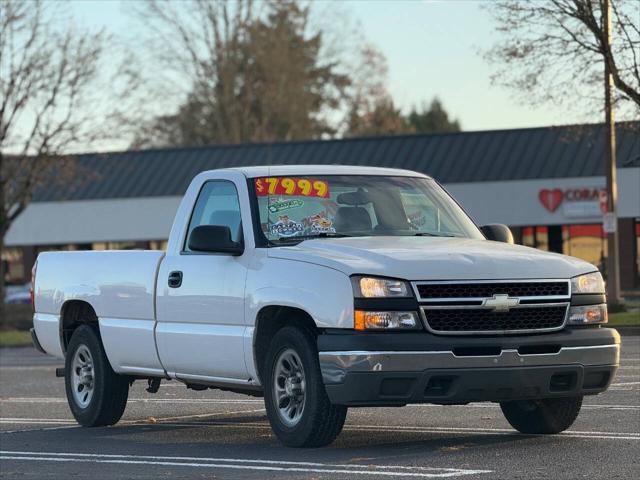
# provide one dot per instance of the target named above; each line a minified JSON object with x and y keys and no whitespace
{"x":613,"y":258}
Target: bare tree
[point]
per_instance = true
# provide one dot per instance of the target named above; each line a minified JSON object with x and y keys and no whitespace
{"x":199,"y":52}
{"x":243,"y":72}
{"x":46,"y":95}
{"x":432,"y":118}
{"x":554,"y":51}
{"x":372,"y":110}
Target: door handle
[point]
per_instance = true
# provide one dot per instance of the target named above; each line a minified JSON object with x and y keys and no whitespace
{"x":175,"y":279}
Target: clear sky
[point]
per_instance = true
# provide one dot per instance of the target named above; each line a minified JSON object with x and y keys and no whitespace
{"x":432,"y":49}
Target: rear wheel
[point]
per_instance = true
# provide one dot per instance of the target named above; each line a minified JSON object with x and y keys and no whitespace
{"x":297,"y":404}
{"x":97,"y":395}
{"x":550,"y":415}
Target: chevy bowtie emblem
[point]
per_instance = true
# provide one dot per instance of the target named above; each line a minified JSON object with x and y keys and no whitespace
{"x":501,"y":303}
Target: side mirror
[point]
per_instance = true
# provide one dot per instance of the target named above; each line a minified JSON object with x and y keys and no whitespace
{"x":497,"y":232}
{"x":214,"y":239}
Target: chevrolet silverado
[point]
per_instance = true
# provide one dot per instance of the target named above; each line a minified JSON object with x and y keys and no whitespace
{"x":328,"y":287}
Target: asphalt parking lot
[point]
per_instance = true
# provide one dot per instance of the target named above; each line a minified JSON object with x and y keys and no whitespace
{"x":178,"y":433}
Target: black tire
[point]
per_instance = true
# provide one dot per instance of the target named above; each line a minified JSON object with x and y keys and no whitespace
{"x":320,"y":422}
{"x":547,"y":416}
{"x":109,"y":390}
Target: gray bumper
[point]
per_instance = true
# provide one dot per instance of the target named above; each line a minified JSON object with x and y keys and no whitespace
{"x":336,"y":365}
{"x":387,"y":377}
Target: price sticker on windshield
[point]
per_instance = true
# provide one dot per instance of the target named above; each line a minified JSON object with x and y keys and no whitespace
{"x":295,"y":186}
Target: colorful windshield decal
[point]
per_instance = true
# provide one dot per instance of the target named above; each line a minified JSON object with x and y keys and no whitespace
{"x":318,"y":223}
{"x":285,"y":227}
{"x":278,"y":204}
{"x":301,"y":187}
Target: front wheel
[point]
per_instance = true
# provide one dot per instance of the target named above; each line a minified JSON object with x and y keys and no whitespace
{"x":550,"y":415}
{"x":297,"y":404}
{"x":97,"y":395}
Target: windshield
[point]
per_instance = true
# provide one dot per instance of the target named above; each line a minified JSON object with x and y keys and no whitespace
{"x":296,"y":208}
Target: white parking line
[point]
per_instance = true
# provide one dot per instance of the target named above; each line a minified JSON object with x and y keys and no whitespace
{"x":35,"y":420}
{"x":435,"y":430}
{"x":135,"y":400}
{"x":44,"y":429}
{"x":142,"y":420}
{"x":496,"y":406}
{"x":70,"y":423}
{"x":203,"y":415}
{"x":245,"y":464}
{"x":29,"y":368}
{"x":223,"y":401}
{"x":353,"y":427}
{"x":633,"y":435}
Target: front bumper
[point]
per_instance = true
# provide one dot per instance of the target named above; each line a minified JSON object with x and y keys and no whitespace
{"x":423,"y":368}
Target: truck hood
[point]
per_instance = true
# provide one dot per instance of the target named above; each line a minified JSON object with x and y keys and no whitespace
{"x":433,"y":258}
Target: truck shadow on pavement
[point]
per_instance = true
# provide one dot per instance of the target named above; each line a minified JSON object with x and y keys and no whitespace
{"x":241,"y":435}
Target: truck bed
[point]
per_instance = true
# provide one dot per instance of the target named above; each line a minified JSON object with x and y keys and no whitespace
{"x":120,"y":285}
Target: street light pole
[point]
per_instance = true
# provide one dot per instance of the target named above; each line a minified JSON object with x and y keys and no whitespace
{"x":613,"y":258}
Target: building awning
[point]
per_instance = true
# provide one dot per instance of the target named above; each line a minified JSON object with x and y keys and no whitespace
{"x":460,"y":157}
{"x":88,"y":221}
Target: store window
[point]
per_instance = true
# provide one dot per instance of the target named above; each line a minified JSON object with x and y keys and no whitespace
{"x":158,"y":245}
{"x":63,"y":248}
{"x":115,"y":246}
{"x":142,"y":245}
{"x":13,"y":265}
{"x":536,"y":237}
{"x":587,"y":242}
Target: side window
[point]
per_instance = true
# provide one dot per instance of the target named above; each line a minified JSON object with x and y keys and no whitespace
{"x":424,"y":214}
{"x":421,"y":212}
{"x":217,"y":204}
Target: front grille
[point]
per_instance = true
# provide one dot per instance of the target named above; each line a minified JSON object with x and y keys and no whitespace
{"x":429,"y":291}
{"x":493,"y":307}
{"x":468,"y":320}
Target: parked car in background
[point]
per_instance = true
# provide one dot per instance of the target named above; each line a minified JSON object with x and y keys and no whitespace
{"x":17,"y":294}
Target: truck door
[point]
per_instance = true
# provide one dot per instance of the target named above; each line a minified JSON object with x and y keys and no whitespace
{"x":200,"y":297}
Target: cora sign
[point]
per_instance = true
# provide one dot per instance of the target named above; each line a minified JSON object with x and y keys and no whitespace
{"x":575,"y":201}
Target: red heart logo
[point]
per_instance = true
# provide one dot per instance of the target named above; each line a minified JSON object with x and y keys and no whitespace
{"x":551,"y":199}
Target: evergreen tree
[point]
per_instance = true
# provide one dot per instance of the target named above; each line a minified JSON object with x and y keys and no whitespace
{"x":432,"y":119}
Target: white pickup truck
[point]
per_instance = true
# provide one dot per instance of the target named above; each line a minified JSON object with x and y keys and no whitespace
{"x":325,"y":287}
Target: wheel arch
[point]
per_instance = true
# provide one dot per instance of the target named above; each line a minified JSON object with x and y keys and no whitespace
{"x":74,"y":313}
{"x":269,"y":320}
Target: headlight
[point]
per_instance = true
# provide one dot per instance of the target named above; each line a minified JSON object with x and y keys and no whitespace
{"x":588,"y":315}
{"x":373,"y":287}
{"x":589,"y":283}
{"x":365,"y":320}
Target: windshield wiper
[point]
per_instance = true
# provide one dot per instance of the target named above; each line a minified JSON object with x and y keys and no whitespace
{"x":427,"y":234}
{"x":299,"y":238}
